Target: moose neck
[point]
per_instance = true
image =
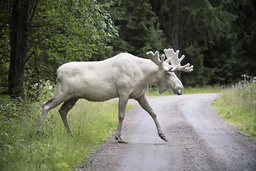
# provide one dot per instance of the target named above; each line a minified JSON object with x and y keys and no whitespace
{"x":153,"y":74}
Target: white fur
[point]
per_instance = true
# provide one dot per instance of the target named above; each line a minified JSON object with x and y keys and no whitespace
{"x":124,"y":76}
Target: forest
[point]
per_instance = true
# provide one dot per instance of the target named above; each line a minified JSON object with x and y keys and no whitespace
{"x":218,"y":37}
{"x":37,"y":36}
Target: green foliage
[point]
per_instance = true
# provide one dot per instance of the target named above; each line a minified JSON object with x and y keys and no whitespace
{"x":59,"y":32}
{"x":217,"y":36}
{"x":23,"y":148}
{"x":65,"y":31}
{"x":154,"y":40}
{"x":4,"y":48}
{"x":138,"y":28}
{"x":39,"y":91}
{"x":211,"y":29}
{"x":198,"y":29}
{"x":239,"y":108}
{"x":11,"y":112}
{"x":205,"y":31}
{"x":71,"y":30}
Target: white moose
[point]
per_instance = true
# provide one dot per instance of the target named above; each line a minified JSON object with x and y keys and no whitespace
{"x":124,"y":75}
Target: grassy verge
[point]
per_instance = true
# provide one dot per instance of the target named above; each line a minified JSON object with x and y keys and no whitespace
{"x":22,"y":148}
{"x":153,"y":91}
{"x":206,"y":89}
{"x":239,"y":108}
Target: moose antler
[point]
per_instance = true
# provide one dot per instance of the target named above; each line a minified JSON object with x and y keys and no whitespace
{"x":172,"y":57}
{"x":156,"y":59}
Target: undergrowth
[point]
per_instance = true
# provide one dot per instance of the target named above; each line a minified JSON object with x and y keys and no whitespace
{"x":23,"y":148}
{"x":239,"y":108}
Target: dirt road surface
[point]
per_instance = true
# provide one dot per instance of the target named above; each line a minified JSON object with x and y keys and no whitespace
{"x":198,"y":139}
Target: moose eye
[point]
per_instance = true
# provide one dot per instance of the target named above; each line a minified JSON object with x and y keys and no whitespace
{"x":169,"y":74}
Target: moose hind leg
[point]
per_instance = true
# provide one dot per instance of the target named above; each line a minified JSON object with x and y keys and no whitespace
{"x":122,"y":105}
{"x":46,"y":107}
{"x":65,"y":108}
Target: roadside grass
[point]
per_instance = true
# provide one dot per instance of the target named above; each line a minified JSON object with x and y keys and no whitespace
{"x":206,"y":89}
{"x":23,"y":148}
{"x":153,"y":91}
{"x":239,"y":108}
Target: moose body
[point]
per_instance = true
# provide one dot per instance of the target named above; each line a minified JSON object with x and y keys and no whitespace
{"x":104,"y":80}
{"x":124,"y":76}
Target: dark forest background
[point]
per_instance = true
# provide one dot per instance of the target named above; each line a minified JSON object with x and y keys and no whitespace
{"x":37,"y":36}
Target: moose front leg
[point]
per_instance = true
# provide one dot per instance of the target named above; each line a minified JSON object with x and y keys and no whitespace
{"x":121,"y":114}
{"x":145,"y":105}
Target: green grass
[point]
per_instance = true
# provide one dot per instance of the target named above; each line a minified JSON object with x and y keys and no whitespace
{"x":206,"y":89}
{"x":22,"y":148}
{"x":239,"y":108}
{"x":153,"y":91}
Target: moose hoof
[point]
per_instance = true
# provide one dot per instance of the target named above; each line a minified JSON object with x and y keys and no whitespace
{"x":120,"y":140}
{"x":70,"y":133}
{"x":161,"y":135}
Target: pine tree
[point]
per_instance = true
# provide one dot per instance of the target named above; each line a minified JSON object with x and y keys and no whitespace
{"x":193,"y":27}
{"x":138,"y":27}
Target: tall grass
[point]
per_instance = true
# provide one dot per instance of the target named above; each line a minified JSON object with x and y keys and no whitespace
{"x":239,"y":108}
{"x":23,"y":148}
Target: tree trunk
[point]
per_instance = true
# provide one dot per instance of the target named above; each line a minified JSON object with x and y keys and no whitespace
{"x":175,"y":31}
{"x":19,"y":46}
{"x":175,"y":27}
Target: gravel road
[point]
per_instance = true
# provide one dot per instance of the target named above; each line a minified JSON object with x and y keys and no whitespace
{"x":198,"y":139}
